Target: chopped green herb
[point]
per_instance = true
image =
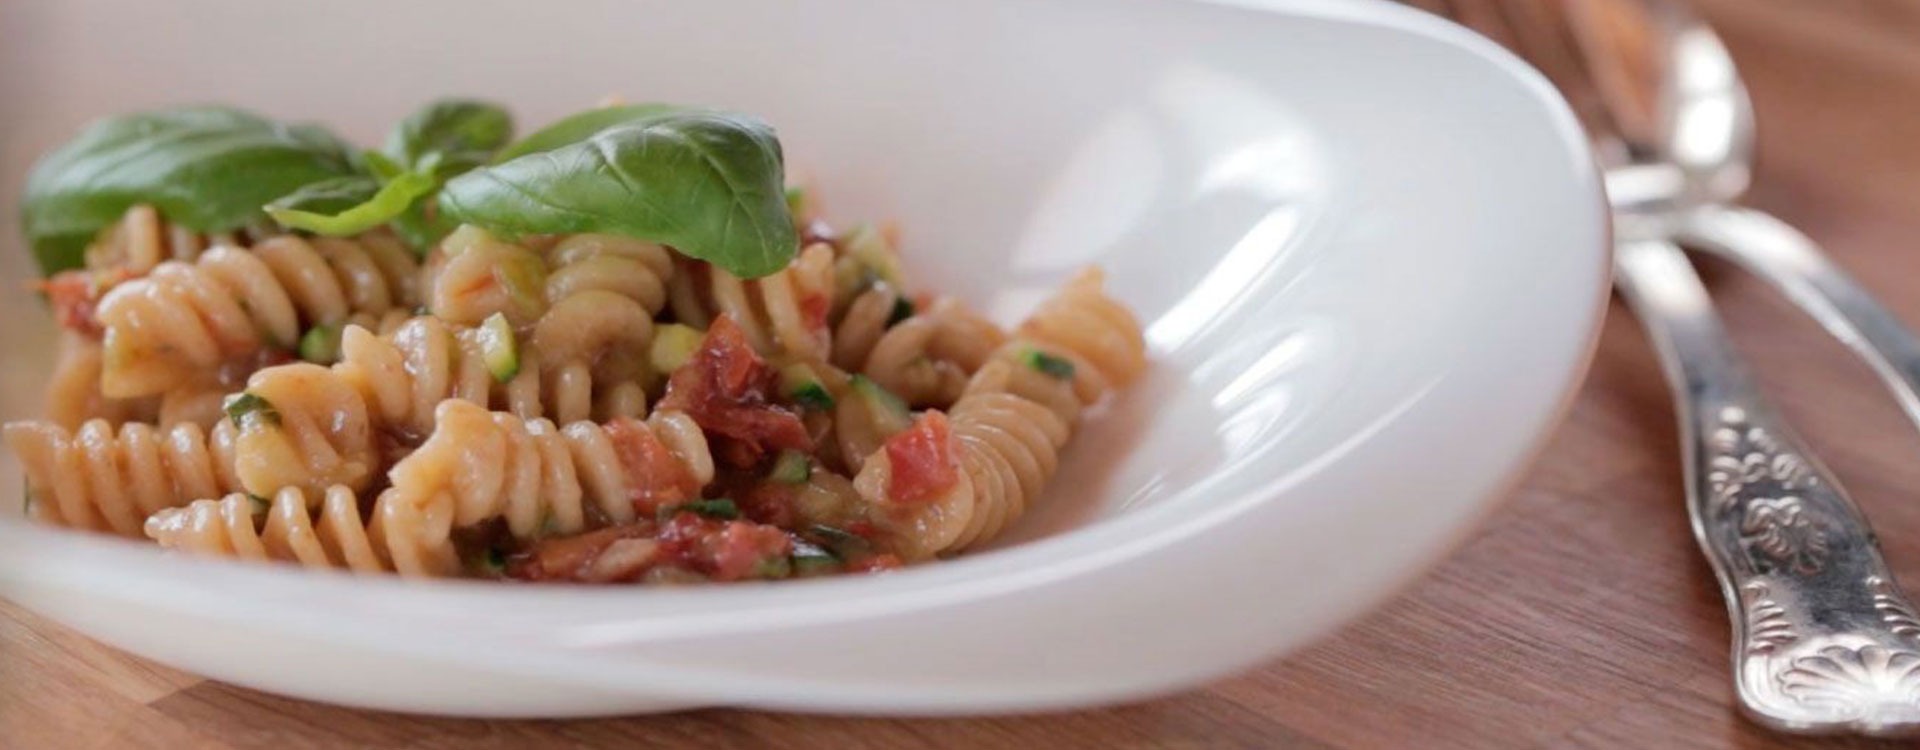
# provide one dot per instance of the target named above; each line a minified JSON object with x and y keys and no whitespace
{"x":260,"y":504}
{"x":796,"y":199}
{"x":495,"y":560}
{"x":321,"y":344}
{"x":26,"y":502}
{"x":1059,"y":367}
{"x":803,"y":386}
{"x":246,"y":409}
{"x":902,"y":309}
{"x":813,"y":397}
{"x":792,"y":467}
{"x":719,"y":507}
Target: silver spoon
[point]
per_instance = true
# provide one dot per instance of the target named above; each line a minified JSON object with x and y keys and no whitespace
{"x":1824,"y":639}
{"x":1694,"y":117}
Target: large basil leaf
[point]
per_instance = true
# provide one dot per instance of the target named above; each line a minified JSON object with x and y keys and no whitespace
{"x":708,"y":183}
{"x":463,"y":133}
{"x":579,"y":127}
{"x":209,"y":169}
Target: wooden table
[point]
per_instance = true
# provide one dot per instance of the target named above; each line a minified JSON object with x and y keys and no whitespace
{"x":1580,"y":616}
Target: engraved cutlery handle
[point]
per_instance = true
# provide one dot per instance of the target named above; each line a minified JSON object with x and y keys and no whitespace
{"x":1823,"y":638}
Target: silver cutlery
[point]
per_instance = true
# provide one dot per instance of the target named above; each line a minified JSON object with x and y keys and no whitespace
{"x":1824,"y":640}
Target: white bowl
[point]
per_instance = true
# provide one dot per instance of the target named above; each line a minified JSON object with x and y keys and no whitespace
{"x":1370,"y":248}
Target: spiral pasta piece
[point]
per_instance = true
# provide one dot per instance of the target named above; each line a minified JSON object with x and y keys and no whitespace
{"x":1082,"y":324}
{"x":631,"y":268}
{"x":101,"y":479}
{"x":402,"y":376}
{"x":143,"y":239}
{"x":473,"y":275}
{"x":539,"y":478}
{"x":1006,"y":448}
{"x":327,"y":533}
{"x":1015,"y":415}
{"x":926,"y":358}
{"x":188,"y":318}
{"x":782,"y":313}
{"x":73,"y":392}
{"x":300,"y":426}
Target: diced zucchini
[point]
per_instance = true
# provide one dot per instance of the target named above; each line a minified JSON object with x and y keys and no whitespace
{"x":321,"y":345}
{"x":673,"y":346}
{"x":803,"y":386}
{"x":1059,"y":367}
{"x":247,"y":409}
{"x":499,"y":348}
{"x":720,"y":507}
{"x":888,"y":411}
{"x":792,"y":467}
{"x":867,"y":244}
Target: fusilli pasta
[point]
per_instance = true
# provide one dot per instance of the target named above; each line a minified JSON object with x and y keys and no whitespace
{"x":1015,"y":416}
{"x":539,"y":478}
{"x":784,"y":313}
{"x":102,"y":479}
{"x":925,"y":358}
{"x":285,"y":528}
{"x":185,"y":319}
{"x":143,"y":239}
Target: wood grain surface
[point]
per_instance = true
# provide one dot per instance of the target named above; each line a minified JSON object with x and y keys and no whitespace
{"x":1581,"y":615}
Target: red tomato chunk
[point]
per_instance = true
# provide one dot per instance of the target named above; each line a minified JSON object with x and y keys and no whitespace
{"x":658,"y":477}
{"x":924,"y":464}
{"x":725,"y":388}
{"x":724,"y":550}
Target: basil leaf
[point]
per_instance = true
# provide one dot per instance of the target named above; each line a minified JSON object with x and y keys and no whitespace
{"x":709,"y":184}
{"x":314,"y":208}
{"x":579,"y":127}
{"x":208,"y":169}
{"x":464,"y":133}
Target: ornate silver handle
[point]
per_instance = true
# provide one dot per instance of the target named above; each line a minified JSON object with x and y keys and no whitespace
{"x":1823,"y":638}
{"x":1775,"y":251}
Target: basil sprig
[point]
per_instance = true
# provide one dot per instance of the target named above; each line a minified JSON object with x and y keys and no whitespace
{"x":710,"y":184}
{"x":209,"y":169}
{"x":440,"y":140}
